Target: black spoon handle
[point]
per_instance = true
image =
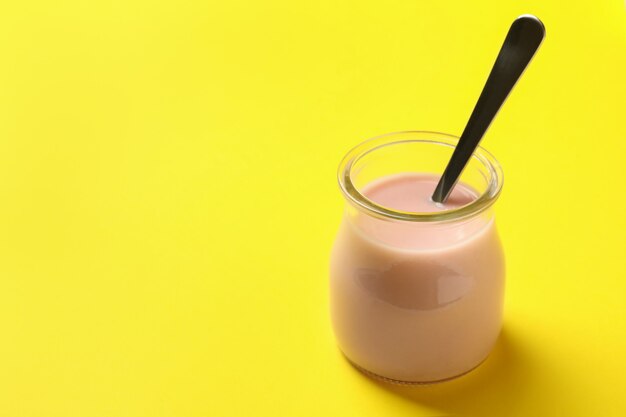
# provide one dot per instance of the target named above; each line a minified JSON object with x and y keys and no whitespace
{"x":521,"y":43}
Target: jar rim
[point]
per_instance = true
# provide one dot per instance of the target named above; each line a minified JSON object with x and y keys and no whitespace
{"x":480,"y":204}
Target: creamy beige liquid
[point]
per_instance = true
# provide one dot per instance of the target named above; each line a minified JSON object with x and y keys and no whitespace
{"x":415,"y":301}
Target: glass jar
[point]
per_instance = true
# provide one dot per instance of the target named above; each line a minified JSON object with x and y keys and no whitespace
{"x":416,"y":297}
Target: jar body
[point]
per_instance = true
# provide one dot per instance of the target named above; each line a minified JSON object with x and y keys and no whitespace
{"x":416,"y":296}
{"x":423,"y":311}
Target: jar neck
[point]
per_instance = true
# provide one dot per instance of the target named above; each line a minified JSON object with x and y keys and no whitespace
{"x":411,"y":235}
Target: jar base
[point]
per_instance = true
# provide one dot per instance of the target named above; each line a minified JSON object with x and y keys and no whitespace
{"x":381,"y":378}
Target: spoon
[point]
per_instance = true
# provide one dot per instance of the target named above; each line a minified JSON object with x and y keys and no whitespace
{"x":521,"y":43}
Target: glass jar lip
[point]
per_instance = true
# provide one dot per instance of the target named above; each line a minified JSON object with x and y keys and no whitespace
{"x":352,"y":194}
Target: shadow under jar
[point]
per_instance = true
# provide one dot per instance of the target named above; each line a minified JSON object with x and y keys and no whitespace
{"x":416,"y":297}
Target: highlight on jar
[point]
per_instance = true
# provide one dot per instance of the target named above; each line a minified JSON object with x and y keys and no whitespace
{"x":417,"y":270}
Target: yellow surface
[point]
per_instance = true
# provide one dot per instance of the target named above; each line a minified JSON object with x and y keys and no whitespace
{"x":168,"y":201}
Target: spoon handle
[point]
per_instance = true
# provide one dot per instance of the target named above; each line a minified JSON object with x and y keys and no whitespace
{"x":521,"y":43}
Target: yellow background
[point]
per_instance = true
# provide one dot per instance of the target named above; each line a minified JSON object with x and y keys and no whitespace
{"x":168,"y":201}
